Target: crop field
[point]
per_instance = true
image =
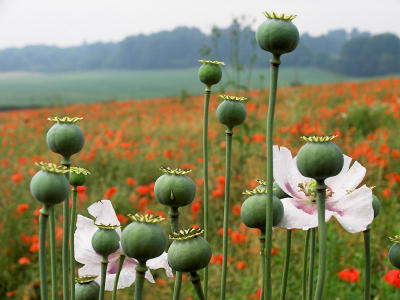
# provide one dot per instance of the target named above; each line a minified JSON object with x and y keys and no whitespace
{"x":127,"y":141}
{"x":54,"y":89}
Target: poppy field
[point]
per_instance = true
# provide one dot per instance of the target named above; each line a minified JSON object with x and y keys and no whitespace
{"x":127,"y":142}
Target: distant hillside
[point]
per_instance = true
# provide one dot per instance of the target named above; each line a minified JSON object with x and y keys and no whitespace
{"x":338,"y":50}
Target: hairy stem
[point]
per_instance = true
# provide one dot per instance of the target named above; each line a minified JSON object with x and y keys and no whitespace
{"x":286,"y":263}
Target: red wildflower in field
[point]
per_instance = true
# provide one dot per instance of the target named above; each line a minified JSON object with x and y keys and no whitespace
{"x":236,"y":210}
{"x":217,"y":193}
{"x":195,"y":208}
{"x":258,"y":138}
{"x":241,"y":265}
{"x":393,"y":278}
{"x":24,"y":260}
{"x":110,"y":192}
{"x":350,"y":275}
{"x":221,"y":231}
{"x":17,"y":177}
{"x":386,"y":192}
{"x":21,"y":208}
{"x":122,"y":219}
{"x":142,"y":190}
{"x":130,"y":181}
{"x":239,"y":238}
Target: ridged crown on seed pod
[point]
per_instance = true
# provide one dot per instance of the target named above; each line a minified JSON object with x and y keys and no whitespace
{"x":276,"y":189}
{"x":144,"y":238}
{"x":319,"y":158}
{"x":277,"y":34}
{"x":174,"y":188}
{"x":231,"y":112}
{"x":105,"y":240}
{"x":77,"y":176}
{"x":189,"y":251}
{"x":86,"y":288}
{"x":210,"y":72}
{"x":65,"y":137}
{"x":394,"y":252}
{"x":49,"y":185}
{"x":253,"y":211}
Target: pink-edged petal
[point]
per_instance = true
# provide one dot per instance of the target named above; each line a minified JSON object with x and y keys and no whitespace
{"x":354,"y":211}
{"x":149,"y":276}
{"x":160,"y":262}
{"x":286,"y":174}
{"x":294,"y":217}
{"x":104,"y":212}
{"x":84,"y":252}
{"x":348,"y":179}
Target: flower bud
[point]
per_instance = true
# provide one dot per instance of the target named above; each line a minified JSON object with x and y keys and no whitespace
{"x":105,"y":240}
{"x":231,"y":112}
{"x":210,"y":72}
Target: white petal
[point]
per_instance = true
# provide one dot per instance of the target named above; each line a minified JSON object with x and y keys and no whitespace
{"x":286,"y":174}
{"x":354,"y":211}
{"x":104,"y":212}
{"x":296,"y":218}
{"x":84,"y":252}
{"x":126,"y":278}
{"x":90,"y":270}
{"x":160,"y":262}
{"x":149,"y":277}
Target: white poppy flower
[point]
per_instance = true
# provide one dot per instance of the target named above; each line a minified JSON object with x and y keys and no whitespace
{"x":104,"y":213}
{"x":351,"y":206}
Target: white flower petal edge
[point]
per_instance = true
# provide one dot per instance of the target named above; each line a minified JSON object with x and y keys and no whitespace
{"x":104,"y":213}
{"x":84,"y":252}
{"x":160,"y":262}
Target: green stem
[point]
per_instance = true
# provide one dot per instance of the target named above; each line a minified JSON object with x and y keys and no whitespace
{"x":174,"y":215}
{"x":140,"y":271}
{"x":104,"y":263}
{"x":367,"y":251}
{"x":195,"y":279}
{"x":286,"y":263}
{"x":321,"y":195}
{"x":121,"y":262}
{"x":71,"y":241}
{"x":275,"y":62}
{"x":207,"y":93}
{"x":65,"y":247}
{"x":312,"y":261}
{"x":305,"y":258}
{"x":261,"y":237}
{"x":43,"y":218}
{"x":229,"y":134}
{"x":53,"y":257}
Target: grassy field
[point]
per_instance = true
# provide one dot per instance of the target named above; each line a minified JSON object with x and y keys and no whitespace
{"x":126,"y":143}
{"x":36,"y":89}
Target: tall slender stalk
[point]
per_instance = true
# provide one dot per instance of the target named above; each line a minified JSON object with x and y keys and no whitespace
{"x":140,"y":271}
{"x":104,"y":263}
{"x":174,"y":215}
{"x":65,"y":247}
{"x":321,"y":195}
{"x":275,"y":62}
{"x":53,"y":257}
{"x":305,"y":259}
{"x":207,"y":93}
{"x":121,"y":262}
{"x":229,"y":134}
{"x":367,"y":276}
{"x":261,"y":237}
{"x":286,"y":263}
{"x":312,"y":261}
{"x":71,"y":241}
{"x":43,"y":218}
{"x":195,"y":279}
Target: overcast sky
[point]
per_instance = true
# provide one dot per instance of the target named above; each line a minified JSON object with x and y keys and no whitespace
{"x":71,"y":22}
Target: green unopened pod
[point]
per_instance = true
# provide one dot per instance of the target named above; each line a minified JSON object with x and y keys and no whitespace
{"x":253,"y":211}
{"x":105,"y":240}
{"x":174,"y":188}
{"x":394,"y":251}
{"x":49,"y":185}
{"x":86,"y":288}
{"x":210,"y":72}
{"x":188,"y":252}
{"x":65,"y":137}
{"x":144,"y":238}
{"x":77,"y":176}
{"x":276,"y":189}
{"x":277,"y":34}
{"x":231,"y":112}
{"x":376,"y":205}
{"x":319,"y":158}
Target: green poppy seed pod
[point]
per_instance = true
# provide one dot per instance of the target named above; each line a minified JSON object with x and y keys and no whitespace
{"x":210,"y":72}
{"x":65,"y":137}
{"x":189,"y":251}
{"x":105,"y":240}
{"x":49,"y":185}
{"x":376,"y":205}
{"x":77,"y":176}
{"x":143,"y":239}
{"x":231,"y":112}
{"x":278,"y":192}
{"x":86,"y":288}
{"x":174,"y":188}
{"x":394,"y":255}
{"x":277,"y":35}
{"x":253,"y":211}
{"x":319,"y":158}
